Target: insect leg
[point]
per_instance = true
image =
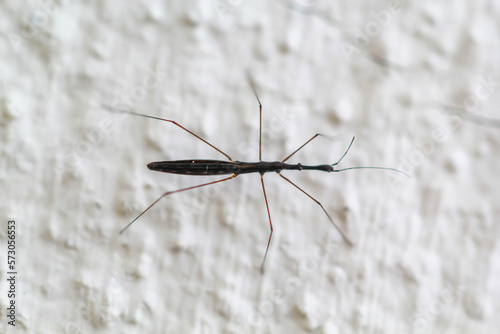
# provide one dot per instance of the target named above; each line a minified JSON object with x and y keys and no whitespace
{"x":344,"y":236}
{"x":252,"y":84}
{"x":270,"y":223}
{"x":307,"y":142}
{"x":166,"y":120}
{"x":173,"y":192}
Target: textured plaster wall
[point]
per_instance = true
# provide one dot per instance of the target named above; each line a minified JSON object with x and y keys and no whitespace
{"x":415,"y":81}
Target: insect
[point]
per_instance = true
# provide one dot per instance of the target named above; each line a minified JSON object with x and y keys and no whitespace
{"x":236,"y":168}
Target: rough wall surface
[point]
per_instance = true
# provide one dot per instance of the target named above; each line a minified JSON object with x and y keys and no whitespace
{"x":415,"y":81}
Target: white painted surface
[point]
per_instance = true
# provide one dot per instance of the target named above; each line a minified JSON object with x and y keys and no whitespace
{"x":426,"y":256}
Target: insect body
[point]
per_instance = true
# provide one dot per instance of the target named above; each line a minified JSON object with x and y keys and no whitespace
{"x":220,"y":167}
{"x":235,"y":168}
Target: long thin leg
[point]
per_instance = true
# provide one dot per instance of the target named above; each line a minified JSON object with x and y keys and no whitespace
{"x":344,"y":236}
{"x":270,"y":223}
{"x":173,"y":192}
{"x":252,"y":84}
{"x":166,"y":120}
{"x":307,"y":142}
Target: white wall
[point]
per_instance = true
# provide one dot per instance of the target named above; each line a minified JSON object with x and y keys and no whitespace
{"x":426,"y":257}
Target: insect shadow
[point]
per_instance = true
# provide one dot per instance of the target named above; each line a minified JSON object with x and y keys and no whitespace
{"x":236,"y":168}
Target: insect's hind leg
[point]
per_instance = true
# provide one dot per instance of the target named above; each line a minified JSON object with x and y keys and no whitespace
{"x":166,"y":120}
{"x":173,"y":192}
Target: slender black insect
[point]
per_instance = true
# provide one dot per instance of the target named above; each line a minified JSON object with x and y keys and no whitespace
{"x":235,"y":168}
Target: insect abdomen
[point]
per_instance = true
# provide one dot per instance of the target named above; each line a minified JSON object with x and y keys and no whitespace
{"x":194,"y":167}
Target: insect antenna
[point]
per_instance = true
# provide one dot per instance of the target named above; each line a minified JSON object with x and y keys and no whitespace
{"x":349,"y":168}
{"x":252,"y":84}
{"x":342,"y":157}
{"x":383,"y":168}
